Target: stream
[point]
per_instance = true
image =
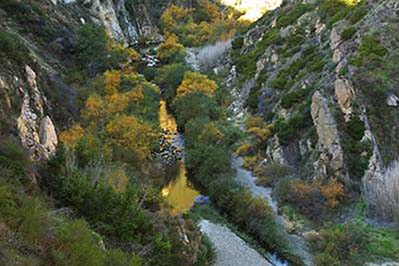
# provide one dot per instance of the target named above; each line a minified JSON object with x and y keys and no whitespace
{"x":180,"y":194}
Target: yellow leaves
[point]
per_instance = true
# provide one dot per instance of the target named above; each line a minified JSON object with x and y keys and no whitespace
{"x":94,"y":109}
{"x":196,"y":82}
{"x":130,"y":136}
{"x":71,"y":137}
{"x":112,"y":81}
{"x":173,"y":15}
{"x":170,"y":48}
{"x":245,"y":149}
{"x":333,"y":191}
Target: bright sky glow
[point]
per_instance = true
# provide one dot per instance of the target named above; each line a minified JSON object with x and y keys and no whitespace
{"x":253,"y":9}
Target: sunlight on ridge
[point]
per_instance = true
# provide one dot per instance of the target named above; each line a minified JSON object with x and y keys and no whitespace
{"x":253,"y":9}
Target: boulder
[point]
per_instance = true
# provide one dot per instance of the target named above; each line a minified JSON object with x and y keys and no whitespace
{"x":392,"y":100}
{"x":48,"y":136}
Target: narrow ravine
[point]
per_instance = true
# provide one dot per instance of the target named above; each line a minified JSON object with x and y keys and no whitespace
{"x":180,"y":194}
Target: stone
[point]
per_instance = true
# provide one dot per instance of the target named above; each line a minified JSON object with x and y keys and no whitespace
{"x":48,"y":136}
{"x":331,"y":156}
{"x":345,"y":94}
{"x":335,"y":39}
{"x":392,"y":100}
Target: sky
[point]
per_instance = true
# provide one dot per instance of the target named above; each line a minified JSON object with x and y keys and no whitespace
{"x":253,"y":9}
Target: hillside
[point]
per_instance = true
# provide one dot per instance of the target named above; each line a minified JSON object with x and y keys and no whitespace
{"x":143,"y":132}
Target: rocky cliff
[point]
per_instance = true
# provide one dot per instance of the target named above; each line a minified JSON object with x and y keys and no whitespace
{"x":322,"y":74}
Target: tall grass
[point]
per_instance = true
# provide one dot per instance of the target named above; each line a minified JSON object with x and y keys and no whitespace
{"x":382,"y":193}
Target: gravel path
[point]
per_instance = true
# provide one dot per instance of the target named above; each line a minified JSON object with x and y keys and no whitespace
{"x":231,"y":250}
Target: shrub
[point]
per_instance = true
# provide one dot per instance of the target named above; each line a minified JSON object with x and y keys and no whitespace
{"x":292,"y":98}
{"x":169,"y":78}
{"x":171,"y":50}
{"x":196,"y":82}
{"x":292,"y":15}
{"x":313,"y":198}
{"x":268,"y":175}
{"x":356,"y":152}
{"x":348,"y":33}
{"x":342,"y":245}
{"x":78,"y":246}
{"x":12,"y":47}
{"x":370,"y":51}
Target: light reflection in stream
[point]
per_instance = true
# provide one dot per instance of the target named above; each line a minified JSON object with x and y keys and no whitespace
{"x":179,"y":193}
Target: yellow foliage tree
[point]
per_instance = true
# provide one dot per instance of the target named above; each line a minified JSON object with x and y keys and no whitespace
{"x":112,"y":81}
{"x":196,"y":82}
{"x":131,"y":139}
{"x":170,"y":49}
{"x":173,"y":16}
{"x":71,"y":136}
{"x":94,"y":109}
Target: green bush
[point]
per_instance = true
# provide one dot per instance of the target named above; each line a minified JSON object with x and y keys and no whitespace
{"x":348,"y":33}
{"x":169,"y":78}
{"x":13,"y":48}
{"x":370,"y":52}
{"x":292,"y":98}
{"x":357,"y":153}
{"x":359,"y":12}
{"x":292,"y":15}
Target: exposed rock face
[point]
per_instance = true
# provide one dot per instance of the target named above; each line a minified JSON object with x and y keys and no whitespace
{"x":331,"y":157}
{"x":104,"y":12}
{"x":48,"y":135}
{"x":35,"y":129}
{"x":345,"y":94}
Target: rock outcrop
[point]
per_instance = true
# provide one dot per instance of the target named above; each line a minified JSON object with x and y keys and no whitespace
{"x":35,"y":129}
{"x":331,"y":161}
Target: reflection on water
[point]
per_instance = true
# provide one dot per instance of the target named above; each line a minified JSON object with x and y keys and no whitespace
{"x":178,"y":193}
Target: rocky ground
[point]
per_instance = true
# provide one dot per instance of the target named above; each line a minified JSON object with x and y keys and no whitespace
{"x":230,"y":249}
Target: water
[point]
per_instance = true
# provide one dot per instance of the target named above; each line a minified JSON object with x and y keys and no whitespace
{"x":179,"y":193}
{"x":247,"y":179}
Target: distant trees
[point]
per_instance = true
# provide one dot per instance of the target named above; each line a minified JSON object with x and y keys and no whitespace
{"x":171,"y":50}
{"x":196,"y":82}
{"x":205,"y":22}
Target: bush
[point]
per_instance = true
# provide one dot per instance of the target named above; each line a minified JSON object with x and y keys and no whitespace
{"x":313,"y":198}
{"x":12,"y":47}
{"x":348,"y":33}
{"x":292,"y":98}
{"x":356,"y":152}
{"x":370,"y":51}
{"x":78,"y":246}
{"x":292,"y":15}
{"x":169,"y":78}
{"x":342,"y":245}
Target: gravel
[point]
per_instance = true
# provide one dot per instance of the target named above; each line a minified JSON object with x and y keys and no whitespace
{"x":230,"y":249}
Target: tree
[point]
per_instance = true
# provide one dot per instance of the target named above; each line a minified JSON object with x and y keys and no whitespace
{"x":171,"y":50}
{"x":112,"y":81}
{"x":196,"y":82}
{"x":131,"y":139}
{"x":91,"y":47}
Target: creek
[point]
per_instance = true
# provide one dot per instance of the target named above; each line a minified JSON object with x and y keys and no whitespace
{"x":180,"y":194}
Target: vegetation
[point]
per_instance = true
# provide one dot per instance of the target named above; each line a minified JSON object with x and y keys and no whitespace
{"x":12,"y":47}
{"x":206,"y":22}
